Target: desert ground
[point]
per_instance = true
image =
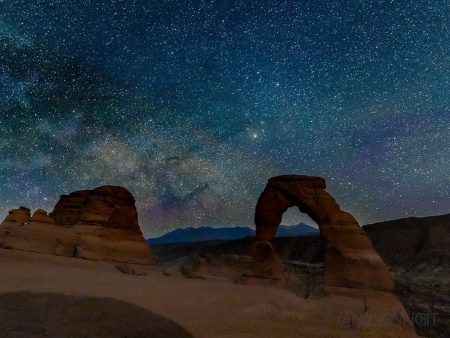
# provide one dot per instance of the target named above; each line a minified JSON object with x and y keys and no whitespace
{"x":157,"y":304}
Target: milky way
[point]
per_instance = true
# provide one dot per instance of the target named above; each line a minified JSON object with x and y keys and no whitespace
{"x":193,"y":105}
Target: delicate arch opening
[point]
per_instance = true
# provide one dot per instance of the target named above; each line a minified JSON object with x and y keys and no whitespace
{"x":296,"y":223}
{"x":350,"y":259}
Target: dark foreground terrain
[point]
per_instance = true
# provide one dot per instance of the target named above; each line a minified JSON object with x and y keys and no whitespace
{"x":27,"y":314}
{"x":417,"y":249}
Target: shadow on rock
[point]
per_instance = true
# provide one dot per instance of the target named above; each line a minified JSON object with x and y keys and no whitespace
{"x":26,"y":314}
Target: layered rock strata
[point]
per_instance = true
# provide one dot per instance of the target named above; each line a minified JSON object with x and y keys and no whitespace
{"x":98,"y":224}
{"x":107,"y":206}
{"x":17,"y":217}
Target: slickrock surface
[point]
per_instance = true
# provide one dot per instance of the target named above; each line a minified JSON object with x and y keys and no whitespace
{"x":417,"y":249}
{"x":205,"y":308}
{"x":350,"y":259}
{"x":50,"y":315}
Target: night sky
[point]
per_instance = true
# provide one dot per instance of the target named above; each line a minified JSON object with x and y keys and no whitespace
{"x":193,"y":105}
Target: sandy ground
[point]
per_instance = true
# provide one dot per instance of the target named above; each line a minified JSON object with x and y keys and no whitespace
{"x":204,"y":308}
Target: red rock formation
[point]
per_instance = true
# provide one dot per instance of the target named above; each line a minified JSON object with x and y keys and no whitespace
{"x":17,"y":217}
{"x":99,"y":224}
{"x":106,"y":206}
{"x":350,"y":259}
{"x":40,"y":215}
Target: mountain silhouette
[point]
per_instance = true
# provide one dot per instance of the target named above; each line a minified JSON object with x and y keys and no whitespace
{"x":206,"y":233}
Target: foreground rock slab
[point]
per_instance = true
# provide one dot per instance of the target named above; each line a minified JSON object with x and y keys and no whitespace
{"x":66,"y":316}
{"x":204,"y":308}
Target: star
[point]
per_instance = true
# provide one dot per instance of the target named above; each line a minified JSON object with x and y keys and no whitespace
{"x":193,"y":106}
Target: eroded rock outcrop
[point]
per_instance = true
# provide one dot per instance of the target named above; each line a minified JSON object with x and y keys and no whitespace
{"x":40,"y":215}
{"x":98,"y":224}
{"x":17,"y":217}
{"x":350,"y":259}
{"x":106,"y":206}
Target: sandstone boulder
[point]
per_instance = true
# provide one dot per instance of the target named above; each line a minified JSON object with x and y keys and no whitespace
{"x":350,"y":259}
{"x":40,"y":215}
{"x":106,"y":206}
{"x":18,"y":217}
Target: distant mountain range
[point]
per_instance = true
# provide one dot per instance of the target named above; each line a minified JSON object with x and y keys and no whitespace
{"x":189,"y":235}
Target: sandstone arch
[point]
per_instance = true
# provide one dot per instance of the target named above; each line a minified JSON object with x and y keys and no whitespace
{"x":350,"y":259}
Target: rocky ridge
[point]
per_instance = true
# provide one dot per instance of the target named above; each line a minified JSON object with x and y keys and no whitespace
{"x":99,"y":224}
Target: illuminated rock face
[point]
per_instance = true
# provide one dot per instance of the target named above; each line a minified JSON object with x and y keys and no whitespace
{"x":350,"y":259}
{"x":17,"y":217}
{"x":99,"y":224}
{"x":106,"y":206}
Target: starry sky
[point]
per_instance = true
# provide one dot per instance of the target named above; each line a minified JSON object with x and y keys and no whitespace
{"x":193,"y":105}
